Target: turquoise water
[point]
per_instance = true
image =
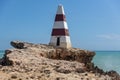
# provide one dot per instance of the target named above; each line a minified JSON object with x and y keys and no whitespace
{"x":1,"y":53}
{"x":108,"y":60}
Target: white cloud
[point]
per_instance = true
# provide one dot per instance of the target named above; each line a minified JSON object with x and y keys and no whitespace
{"x":110,"y":36}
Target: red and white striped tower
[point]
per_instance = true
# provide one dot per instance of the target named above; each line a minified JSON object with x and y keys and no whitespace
{"x":60,"y":34}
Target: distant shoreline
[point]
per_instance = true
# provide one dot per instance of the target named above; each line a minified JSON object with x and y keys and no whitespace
{"x":107,"y":50}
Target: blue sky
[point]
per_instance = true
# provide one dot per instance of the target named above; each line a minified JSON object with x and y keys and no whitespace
{"x":93,"y":24}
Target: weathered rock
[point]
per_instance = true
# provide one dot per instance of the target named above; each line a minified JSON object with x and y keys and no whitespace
{"x":43,"y":62}
{"x":18,"y":44}
{"x":71,"y":54}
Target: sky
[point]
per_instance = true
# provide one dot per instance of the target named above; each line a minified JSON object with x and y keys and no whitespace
{"x":93,"y":24}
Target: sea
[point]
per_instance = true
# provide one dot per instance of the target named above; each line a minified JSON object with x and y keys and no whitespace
{"x":1,"y":53}
{"x":106,"y":60}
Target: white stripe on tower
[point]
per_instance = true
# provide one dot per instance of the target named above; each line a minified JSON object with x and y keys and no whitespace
{"x":60,"y":34}
{"x":60,"y":24}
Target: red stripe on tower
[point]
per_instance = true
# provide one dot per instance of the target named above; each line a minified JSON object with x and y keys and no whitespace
{"x":60,"y":17}
{"x":60,"y":32}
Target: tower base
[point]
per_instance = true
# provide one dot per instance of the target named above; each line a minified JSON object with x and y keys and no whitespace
{"x":60,"y":41}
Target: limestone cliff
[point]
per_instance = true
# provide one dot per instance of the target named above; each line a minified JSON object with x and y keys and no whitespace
{"x":27,"y":61}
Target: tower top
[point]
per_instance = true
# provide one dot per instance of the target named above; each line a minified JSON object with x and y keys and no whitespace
{"x":60,"y":9}
{"x":60,"y":5}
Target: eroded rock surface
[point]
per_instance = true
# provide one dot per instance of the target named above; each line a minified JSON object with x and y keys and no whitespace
{"x":29,"y":61}
{"x":71,"y":54}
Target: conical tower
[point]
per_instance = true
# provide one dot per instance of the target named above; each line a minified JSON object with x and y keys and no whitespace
{"x":60,"y":34}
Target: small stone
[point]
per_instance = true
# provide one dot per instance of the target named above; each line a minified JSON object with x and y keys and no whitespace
{"x":13,"y":76}
{"x":60,"y":78}
{"x":79,"y":71}
{"x":47,"y":71}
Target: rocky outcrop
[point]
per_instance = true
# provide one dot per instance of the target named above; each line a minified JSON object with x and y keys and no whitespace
{"x":29,"y":61}
{"x":71,"y":54}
